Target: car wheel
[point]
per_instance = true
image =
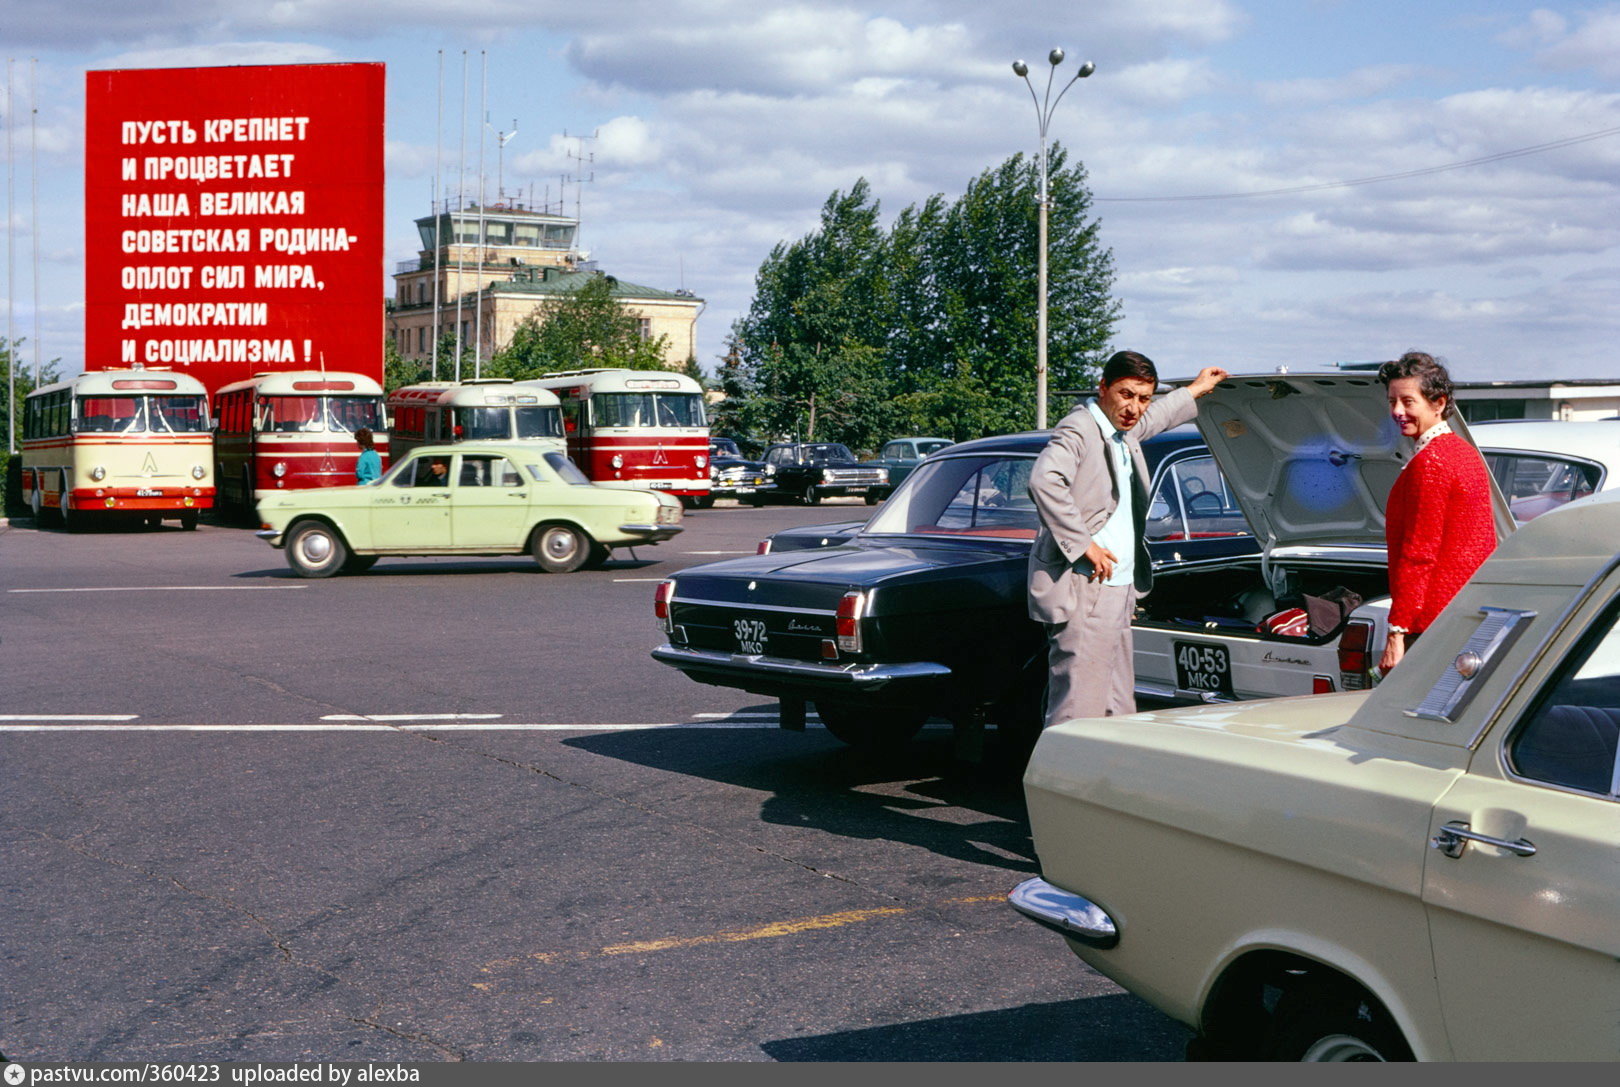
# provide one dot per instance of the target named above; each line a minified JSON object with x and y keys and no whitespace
{"x":873,"y":498}
{"x":811,"y":498}
{"x":1332,"y":1022}
{"x":870,"y":729}
{"x":316,"y":549}
{"x":598,"y":556}
{"x":755,"y":500}
{"x":359,"y":564}
{"x":560,"y":549}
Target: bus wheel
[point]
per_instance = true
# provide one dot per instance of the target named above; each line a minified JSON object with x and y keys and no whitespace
{"x":37,"y":503}
{"x":316,"y":550}
{"x":70,"y":521}
{"x":560,"y":549}
{"x":188,"y":520}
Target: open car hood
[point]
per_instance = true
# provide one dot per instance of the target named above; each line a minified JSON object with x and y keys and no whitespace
{"x":1311,"y":457}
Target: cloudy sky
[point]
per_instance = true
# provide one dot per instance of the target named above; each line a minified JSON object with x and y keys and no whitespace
{"x":1220,"y":136}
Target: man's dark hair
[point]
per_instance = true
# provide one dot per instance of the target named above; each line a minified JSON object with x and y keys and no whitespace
{"x":1129,"y":364}
{"x":1434,"y":381}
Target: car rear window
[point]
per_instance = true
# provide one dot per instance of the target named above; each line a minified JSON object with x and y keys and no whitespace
{"x":985,"y":496}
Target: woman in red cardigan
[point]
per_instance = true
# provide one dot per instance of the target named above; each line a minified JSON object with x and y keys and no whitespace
{"x":1438,"y":526}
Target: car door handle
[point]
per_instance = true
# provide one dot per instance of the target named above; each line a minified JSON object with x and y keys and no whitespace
{"x":1454,"y":837}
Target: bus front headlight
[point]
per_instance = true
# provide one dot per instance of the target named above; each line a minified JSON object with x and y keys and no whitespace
{"x":618,"y":461}
{"x":279,"y":469}
{"x":98,"y":473}
{"x":198,"y":471}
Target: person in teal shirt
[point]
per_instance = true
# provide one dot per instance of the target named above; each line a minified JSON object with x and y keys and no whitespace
{"x":369,"y":466}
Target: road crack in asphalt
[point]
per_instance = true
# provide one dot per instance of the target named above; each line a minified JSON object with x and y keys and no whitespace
{"x":288,"y":955}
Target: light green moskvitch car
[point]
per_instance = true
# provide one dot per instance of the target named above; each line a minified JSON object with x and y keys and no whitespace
{"x":487,"y":499}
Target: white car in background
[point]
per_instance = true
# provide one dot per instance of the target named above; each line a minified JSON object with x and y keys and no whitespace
{"x":1308,"y":460}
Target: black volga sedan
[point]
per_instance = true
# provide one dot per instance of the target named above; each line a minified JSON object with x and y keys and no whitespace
{"x":921,"y":611}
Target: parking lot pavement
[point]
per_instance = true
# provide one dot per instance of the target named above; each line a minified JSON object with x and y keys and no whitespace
{"x":234,"y":829}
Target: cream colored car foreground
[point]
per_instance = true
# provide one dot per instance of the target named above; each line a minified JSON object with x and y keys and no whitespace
{"x":1430,"y":869}
{"x":465,"y":499}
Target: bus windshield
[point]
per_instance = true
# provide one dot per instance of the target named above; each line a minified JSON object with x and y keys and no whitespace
{"x":128,"y":414}
{"x":475,"y":423}
{"x":312,"y":414}
{"x":350,"y":413}
{"x":542,"y":422}
{"x":648,"y":409}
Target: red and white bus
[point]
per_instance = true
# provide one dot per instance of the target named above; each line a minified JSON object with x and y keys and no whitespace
{"x":293,"y":430}
{"x":128,"y":443}
{"x":635,"y":428}
{"x":484,"y":409}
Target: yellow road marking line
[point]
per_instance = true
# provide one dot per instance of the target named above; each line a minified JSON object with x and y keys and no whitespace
{"x":768,"y":931}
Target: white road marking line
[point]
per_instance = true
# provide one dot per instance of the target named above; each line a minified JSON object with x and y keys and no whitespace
{"x":630,"y":580}
{"x":160,"y":589}
{"x":373,"y":726}
{"x":412,"y":716}
{"x":718,"y":552}
{"x":68,"y":716}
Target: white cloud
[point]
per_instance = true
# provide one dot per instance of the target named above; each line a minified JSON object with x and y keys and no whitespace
{"x":1594,"y":44}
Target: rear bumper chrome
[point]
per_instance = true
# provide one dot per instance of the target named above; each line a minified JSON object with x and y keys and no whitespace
{"x":1075,"y":917}
{"x":1165,"y":692}
{"x":863,"y":677}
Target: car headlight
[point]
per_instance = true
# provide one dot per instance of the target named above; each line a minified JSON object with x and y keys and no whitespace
{"x":617,"y":461}
{"x":279,"y":469}
{"x":198,"y":471}
{"x":98,"y":473}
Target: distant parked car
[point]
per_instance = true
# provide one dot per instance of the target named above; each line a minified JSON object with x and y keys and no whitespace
{"x":731,"y":475}
{"x":811,"y":471}
{"x":1540,"y":465}
{"x":464,"y":500}
{"x":901,"y":455}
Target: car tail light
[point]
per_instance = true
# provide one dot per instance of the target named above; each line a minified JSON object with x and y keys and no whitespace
{"x":764,"y":548}
{"x":850,"y":611}
{"x":1355,"y":654}
{"x":661,"y":598}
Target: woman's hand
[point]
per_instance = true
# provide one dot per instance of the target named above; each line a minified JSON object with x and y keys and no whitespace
{"x":1394,"y":650}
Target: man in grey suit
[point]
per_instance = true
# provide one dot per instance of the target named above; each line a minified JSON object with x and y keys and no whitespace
{"x":1089,"y":564}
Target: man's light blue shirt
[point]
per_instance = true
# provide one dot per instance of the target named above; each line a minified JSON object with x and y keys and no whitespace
{"x":1119,"y":533}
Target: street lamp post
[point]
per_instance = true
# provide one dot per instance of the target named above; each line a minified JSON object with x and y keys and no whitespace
{"x":1043,"y":116}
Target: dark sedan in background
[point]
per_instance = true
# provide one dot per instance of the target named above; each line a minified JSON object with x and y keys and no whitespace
{"x":731,"y":475}
{"x":811,"y":471}
{"x":920,"y":612}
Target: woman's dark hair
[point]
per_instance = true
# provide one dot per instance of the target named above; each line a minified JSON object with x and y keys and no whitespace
{"x":1129,"y":364}
{"x":362,"y":437}
{"x":1434,"y":381}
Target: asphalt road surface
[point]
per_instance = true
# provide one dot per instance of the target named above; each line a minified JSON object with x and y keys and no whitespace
{"x":451,"y":809}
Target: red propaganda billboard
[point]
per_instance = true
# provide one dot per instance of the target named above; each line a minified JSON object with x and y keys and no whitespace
{"x":233,"y":219}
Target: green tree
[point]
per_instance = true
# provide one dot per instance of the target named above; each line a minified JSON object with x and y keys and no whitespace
{"x":812,"y":342}
{"x":21,"y":384}
{"x":970,"y":349}
{"x":857,"y":334}
{"x":586,"y":327}
{"x":399,"y":372}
